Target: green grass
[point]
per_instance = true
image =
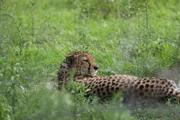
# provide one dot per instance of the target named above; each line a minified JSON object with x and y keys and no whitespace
{"x":132,"y":37}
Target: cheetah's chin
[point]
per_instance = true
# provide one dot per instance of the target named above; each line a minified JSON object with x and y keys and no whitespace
{"x":93,"y":74}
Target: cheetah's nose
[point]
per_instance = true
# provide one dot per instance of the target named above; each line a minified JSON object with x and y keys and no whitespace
{"x":95,"y":67}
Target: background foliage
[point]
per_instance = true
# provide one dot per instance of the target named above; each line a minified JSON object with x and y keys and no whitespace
{"x":138,"y":37}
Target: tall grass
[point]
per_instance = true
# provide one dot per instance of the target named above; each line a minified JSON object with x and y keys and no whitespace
{"x":126,"y":37}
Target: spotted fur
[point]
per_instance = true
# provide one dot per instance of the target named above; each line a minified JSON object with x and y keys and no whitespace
{"x":131,"y":86}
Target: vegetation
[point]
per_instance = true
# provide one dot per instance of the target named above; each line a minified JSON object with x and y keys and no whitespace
{"x":138,"y":37}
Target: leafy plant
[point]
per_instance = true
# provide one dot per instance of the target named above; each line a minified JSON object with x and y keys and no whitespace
{"x":125,"y":37}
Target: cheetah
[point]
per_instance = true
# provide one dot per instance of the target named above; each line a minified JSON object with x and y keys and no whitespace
{"x":105,"y":86}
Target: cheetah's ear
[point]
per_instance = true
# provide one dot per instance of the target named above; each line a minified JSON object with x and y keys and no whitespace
{"x":70,"y":59}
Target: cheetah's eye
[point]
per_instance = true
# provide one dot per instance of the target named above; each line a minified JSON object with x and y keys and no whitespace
{"x":86,"y":60}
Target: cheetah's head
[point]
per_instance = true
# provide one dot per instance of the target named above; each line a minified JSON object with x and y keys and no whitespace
{"x":81,"y":62}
